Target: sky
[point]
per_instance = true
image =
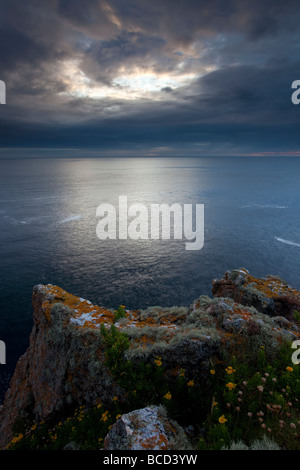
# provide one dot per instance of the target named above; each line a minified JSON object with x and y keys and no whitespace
{"x":149,"y":78}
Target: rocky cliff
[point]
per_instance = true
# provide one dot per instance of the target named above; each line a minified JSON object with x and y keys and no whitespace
{"x":270,"y":295}
{"x":65,"y":365}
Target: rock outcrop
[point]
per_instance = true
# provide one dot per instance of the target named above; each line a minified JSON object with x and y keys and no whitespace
{"x":269,"y":295}
{"x":64,"y":366}
{"x":146,"y":429}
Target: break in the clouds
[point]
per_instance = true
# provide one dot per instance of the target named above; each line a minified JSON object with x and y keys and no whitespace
{"x":168,"y":77}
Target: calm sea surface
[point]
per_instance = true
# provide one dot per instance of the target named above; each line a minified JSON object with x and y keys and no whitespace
{"x":48,"y":231}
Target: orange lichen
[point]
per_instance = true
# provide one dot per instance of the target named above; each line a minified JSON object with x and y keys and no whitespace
{"x":84,"y":313}
{"x":158,"y":441}
{"x":271,"y":287}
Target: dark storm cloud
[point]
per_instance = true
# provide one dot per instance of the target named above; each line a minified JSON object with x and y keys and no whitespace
{"x":183,"y":19}
{"x":92,"y":17}
{"x":243,"y":56}
{"x":102,"y":58}
{"x":16,"y":47}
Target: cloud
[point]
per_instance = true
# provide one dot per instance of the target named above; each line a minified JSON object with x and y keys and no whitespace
{"x":94,"y":18}
{"x":161,"y":75}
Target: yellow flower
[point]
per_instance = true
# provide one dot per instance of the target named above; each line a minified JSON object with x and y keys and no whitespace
{"x":230,"y":385}
{"x":215,"y":403}
{"x":118,"y":416}
{"x":99,"y":405}
{"x":190,"y":383}
{"x":16,"y":439}
{"x":230,"y":370}
{"x":168,"y":396}
{"x":289,"y":369}
{"x":158,"y":361}
{"x":122,"y":306}
{"x":181,"y":373}
{"x":115,"y":399}
{"x":212,"y":371}
{"x":222,"y":419}
{"x":104,"y":416}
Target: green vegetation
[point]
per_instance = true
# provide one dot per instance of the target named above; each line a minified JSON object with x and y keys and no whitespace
{"x":296,"y":316}
{"x":241,"y":403}
{"x":250,"y":401}
{"x":120,"y":313}
{"x":85,"y":429}
{"x":115,"y":345}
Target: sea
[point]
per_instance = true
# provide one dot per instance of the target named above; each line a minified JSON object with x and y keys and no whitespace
{"x":48,"y":231}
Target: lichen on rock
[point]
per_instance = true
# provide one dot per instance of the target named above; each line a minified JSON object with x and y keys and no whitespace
{"x":146,"y":429}
{"x":270,"y":295}
{"x":65,"y":364}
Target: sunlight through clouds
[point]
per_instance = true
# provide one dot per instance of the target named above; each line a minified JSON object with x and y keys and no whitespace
{"x":128,"y":85}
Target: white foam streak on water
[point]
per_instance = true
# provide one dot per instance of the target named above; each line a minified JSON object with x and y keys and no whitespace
{"x":287,"y":242}
{"x":70,"y":219}
{"x":265,"y":206}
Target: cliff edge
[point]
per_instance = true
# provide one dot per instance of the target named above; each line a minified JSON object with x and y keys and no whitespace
{"x":65,"y":365}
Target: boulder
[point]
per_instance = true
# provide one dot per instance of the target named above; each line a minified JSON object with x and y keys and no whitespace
{"x":146,"y":429}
